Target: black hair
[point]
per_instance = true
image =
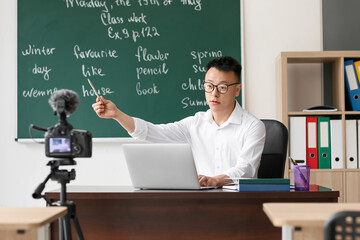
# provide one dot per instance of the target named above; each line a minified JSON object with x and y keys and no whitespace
{"x":226,"y":64}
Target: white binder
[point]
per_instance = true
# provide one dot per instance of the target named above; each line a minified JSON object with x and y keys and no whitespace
{"x":336,"y":144}
{"x":351,"y":144}
{"x":298,"y":139}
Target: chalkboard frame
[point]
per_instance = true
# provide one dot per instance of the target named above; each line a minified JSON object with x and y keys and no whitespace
{"x":126,"y":139}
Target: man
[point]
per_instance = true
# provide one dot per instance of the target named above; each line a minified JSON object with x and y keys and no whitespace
{"x":226,"y":140}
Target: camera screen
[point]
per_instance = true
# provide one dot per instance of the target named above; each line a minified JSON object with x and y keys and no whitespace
{"x":59,"y":145}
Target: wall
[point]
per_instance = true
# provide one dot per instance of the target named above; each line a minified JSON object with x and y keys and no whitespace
{"x":270,"y":26}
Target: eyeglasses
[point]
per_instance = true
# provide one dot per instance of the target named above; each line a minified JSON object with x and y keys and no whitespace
{"x":221,"y":88}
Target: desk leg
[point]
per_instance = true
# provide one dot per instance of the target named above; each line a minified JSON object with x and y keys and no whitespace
{"x":286,"y":233}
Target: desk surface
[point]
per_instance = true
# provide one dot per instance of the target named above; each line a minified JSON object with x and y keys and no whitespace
{"x":120,"y":212}
{"x":304,"y":214}
{"x":129,"y":192}
{"x":27,"y":218}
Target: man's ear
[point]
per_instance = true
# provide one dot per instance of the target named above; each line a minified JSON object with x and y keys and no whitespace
{"x":238,"y":88}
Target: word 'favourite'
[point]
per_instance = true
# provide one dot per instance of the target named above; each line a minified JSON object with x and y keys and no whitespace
{"x":90,"y":53}
{"x":144,"y":71}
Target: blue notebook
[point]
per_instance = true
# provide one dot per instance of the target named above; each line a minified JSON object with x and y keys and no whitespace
{"x":258,"y":187}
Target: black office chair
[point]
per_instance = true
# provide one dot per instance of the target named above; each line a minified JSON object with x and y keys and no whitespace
{"x":342,"y":225}
{"x":273,"y":158}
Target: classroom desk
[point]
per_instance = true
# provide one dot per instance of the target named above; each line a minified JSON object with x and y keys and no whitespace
{"x":304,"y":220}
{"x":23,"y":223}
{"x":120,"y":212}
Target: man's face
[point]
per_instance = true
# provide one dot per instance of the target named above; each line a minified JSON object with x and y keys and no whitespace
{"x":222,"y":102}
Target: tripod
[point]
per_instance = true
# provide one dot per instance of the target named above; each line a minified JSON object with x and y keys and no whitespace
{"x":63,"y":177}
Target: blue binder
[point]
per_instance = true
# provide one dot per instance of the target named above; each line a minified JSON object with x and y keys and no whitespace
{"x":352,"y":85}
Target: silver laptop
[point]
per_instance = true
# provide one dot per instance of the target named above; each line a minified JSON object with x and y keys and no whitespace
{"x":162,"y":166}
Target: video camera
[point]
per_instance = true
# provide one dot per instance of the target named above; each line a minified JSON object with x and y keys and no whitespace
{"x":61,"y":140}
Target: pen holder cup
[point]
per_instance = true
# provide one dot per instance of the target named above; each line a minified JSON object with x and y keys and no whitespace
{"x":302,"y":177}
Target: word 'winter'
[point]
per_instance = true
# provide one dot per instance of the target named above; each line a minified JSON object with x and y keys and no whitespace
{"x":32,"y":50}
{"x":87,"y":4}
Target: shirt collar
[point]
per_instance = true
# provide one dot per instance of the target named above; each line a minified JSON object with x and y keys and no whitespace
{"x":235,"y":117}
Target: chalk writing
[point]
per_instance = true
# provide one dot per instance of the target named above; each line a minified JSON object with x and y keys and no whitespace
{"x":124,"y":33}
{"x":32,"y":50}
{"x":87,"y":4}
{"x":143,"y":55}
{"x":143,"y":71}
{"x":198,"y":69}
{"x":42,"y":70}
{"x":146,"y":91}
{"x":107,"y":19}
{"x":187,"y":102}
{"x":89,"y":53}
{"x":195,"y":3}
{"x":200,"y":55}
{"x":137,"y":19}
{"x":90,"y":92}
{"x":192,"y":86}
{"x":34,"y":93}
{"x":148,"y":2}
{"x":91,"y":71}
{"x":124,"y":3}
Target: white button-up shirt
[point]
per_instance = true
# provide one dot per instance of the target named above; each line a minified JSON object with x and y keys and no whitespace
{"x":234,"y":148}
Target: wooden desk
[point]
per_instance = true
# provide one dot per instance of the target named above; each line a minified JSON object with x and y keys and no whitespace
{"x":124,"y":213}
{"x":307,"y":218}
{"x":22,"y":223}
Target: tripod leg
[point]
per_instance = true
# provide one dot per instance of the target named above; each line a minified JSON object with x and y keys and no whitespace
{"x":77,"y":228}
{"x":67,"y":227}
{"x":61,"y":229}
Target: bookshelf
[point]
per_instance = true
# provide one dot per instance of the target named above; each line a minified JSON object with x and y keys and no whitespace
{"x":345,"y":180}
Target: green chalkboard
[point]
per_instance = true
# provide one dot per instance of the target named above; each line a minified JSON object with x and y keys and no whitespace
{"x":147,"y":56}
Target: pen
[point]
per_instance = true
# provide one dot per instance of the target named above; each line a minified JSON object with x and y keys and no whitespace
{"x":92,"y":86}
{"x":301,"y":174}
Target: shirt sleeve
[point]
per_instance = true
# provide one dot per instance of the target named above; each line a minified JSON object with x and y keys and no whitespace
{"x":249,"y":160}
{"x":176,"y":132}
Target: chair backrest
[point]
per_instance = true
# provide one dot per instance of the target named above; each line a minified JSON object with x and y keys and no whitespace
{"x":342,"y":225}
{"x":273,"y":158}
